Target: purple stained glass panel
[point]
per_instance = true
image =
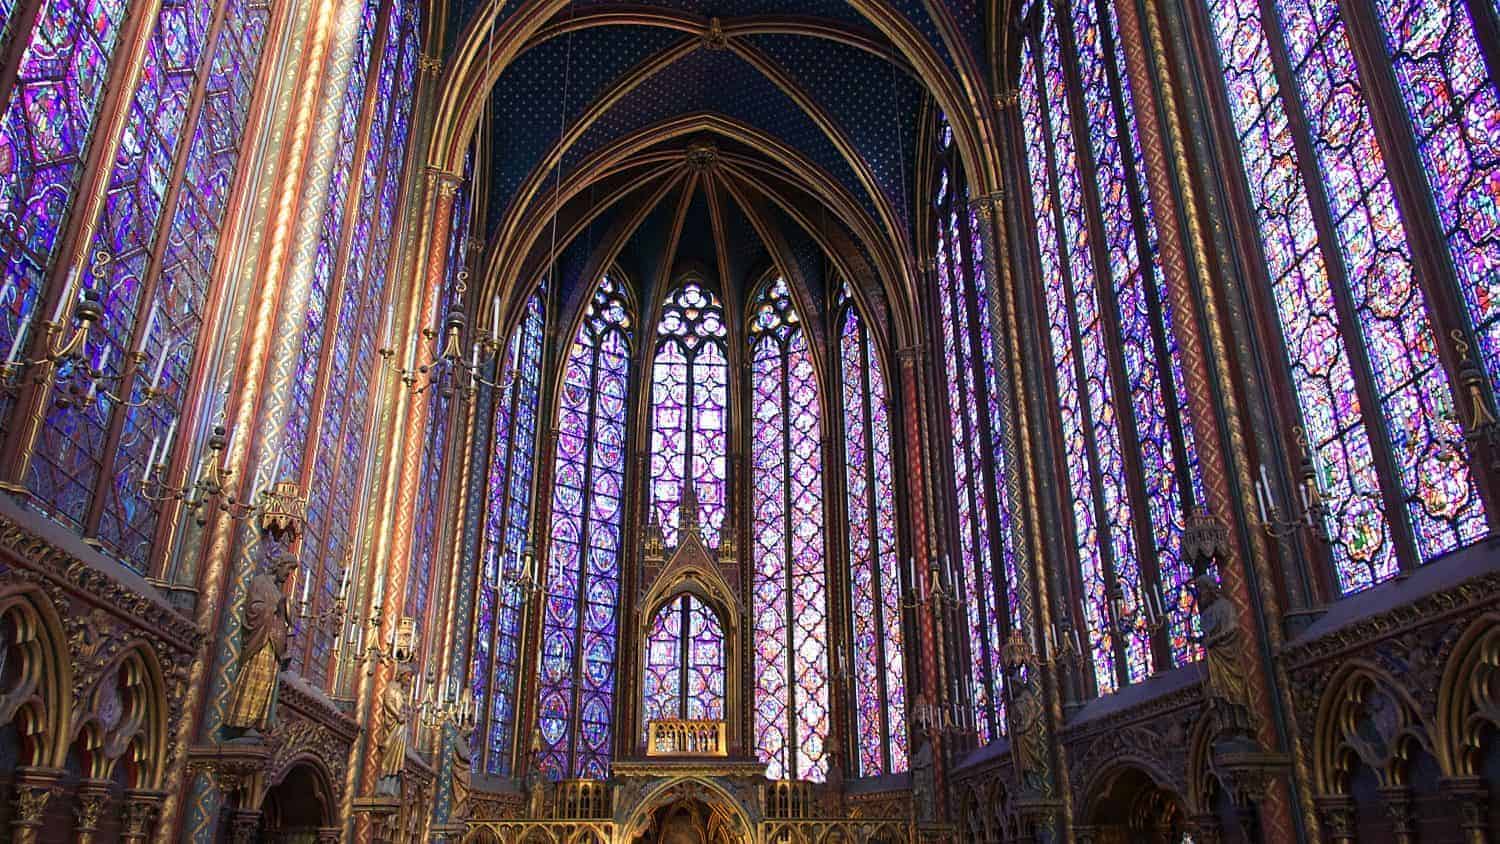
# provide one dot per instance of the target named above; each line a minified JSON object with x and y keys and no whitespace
{"x":507,"y":530}
{"x":789,"y":582}
{"x":1454,"y":107}
{"x":580,"y":624}
{"x":874,"y":568}
{"x":45,"y":130}
{"x":688,"y":384}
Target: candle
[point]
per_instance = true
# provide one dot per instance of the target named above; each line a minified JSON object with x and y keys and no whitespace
{"x":67,"y":292}
{"x":150,"y":459}
{"x":161,"y":365}
{"x":495,"y":318}
{"x":166,"y":442}
{"x":306,"y":589}
{"x":104,"y":355}
{"x":385,"y":328}
{"x":474,"y":356}
{"x":411,"y":355}
{"x":344,"y":580}
{"x":15,"y":345}
{"x":1260,"y":500}
{"x":140,"y":342}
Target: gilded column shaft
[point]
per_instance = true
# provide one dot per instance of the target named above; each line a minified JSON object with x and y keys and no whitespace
{"x":412,"y":434}
{"x":301,"y":80}
{"x":1215,"y":465}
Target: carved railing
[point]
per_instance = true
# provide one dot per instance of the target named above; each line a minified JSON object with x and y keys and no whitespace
{"x":790,"y":799}
{"x":681,"y":737}
{"x":582,"y":800}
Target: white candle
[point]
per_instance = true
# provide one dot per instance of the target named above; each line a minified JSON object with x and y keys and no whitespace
{"x":1260,"y":500}
{"x":140,"y":342}
{"x":385,"y":328}
{"x":474,"y":356}
{"x":67,"y":292}
{"x":306,"y":588}
{"x":161,"y":365}
{"x":15,"y":345}
{"x":166,"y":442}
{"x":150,"y":459}
{"x":104,"y":355}
{"x":495,"y":318}
{"x":411,"y":355}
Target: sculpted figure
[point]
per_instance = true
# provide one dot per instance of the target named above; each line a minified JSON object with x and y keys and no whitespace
{"x":267,"y":627}
{"x":1224,"y":651}
{"x":463,"y":773}
{"x":395,"y":712}
{"x":923,"y":783}
{"x":1029,"y":745}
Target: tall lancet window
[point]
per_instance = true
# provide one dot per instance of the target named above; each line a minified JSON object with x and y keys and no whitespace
{"x":789,"y":583}
{"x":507,"y":527}
{"x":166,"y":190}
{"x":1129,"y":450}
{"x":688,"y":383}
{"x":581,"y":624}
{"x":985,"y":565}
{"x":684,"y":662}
{"x":874,"y":564}
{"x":1352,"y":256}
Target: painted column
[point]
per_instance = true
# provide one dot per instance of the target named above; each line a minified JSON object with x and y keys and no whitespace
{"x":441,"y":190}
{"x":224,"y":553}
{"x":1245,"y":568}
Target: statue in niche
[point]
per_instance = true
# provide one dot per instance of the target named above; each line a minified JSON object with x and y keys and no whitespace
{"x":463,"y":774}
{"x":536,"y":783}
{"x":923,"y":781}
{"x":1029,"y":744}
{"x":395,"y":714}
{"x":1224,"y":650}
{"x":267,"y":629}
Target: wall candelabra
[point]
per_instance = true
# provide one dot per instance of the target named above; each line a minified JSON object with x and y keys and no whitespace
{"x":447,"y":370}
{"x":65,"y":343}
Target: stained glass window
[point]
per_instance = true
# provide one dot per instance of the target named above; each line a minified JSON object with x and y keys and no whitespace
{"x":168,"y":185}
{"x":44,"y":132}
{"x":1130,"y":454}
{"x":344,"y":312}
{"x":789,"y":582}
{"x":984,"y":520}
{"x":1342,"y":267}
{"x":506,"y":532}
{"x":688,"y":383}
{"x":684,"y":675}
{"x":1453,"y":105}
{"x":580,"y":621}
{"x":874,"y":565}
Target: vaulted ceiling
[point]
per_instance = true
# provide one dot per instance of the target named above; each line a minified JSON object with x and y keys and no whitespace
{"x":728,"y":136}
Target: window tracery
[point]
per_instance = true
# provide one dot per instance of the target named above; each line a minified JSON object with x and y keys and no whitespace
{"x":580,"y":621}
{"x":789,"y":584}
{"x":689,"y":384}
{"x":879,"y":648}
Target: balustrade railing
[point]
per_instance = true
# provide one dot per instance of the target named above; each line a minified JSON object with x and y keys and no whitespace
{"x":686,"y":737}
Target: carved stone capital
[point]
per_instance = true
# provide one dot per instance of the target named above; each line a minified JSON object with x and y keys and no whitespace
{"x":34,"y":787}
{"x":1337,"y":816}
{"x":1249,"y":774}
{"x":1472,"y":797}
{"x":244,"y":826}
{"x":235,"y":768}
{"x":138,"y":815}
{"x":92,"y":797}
